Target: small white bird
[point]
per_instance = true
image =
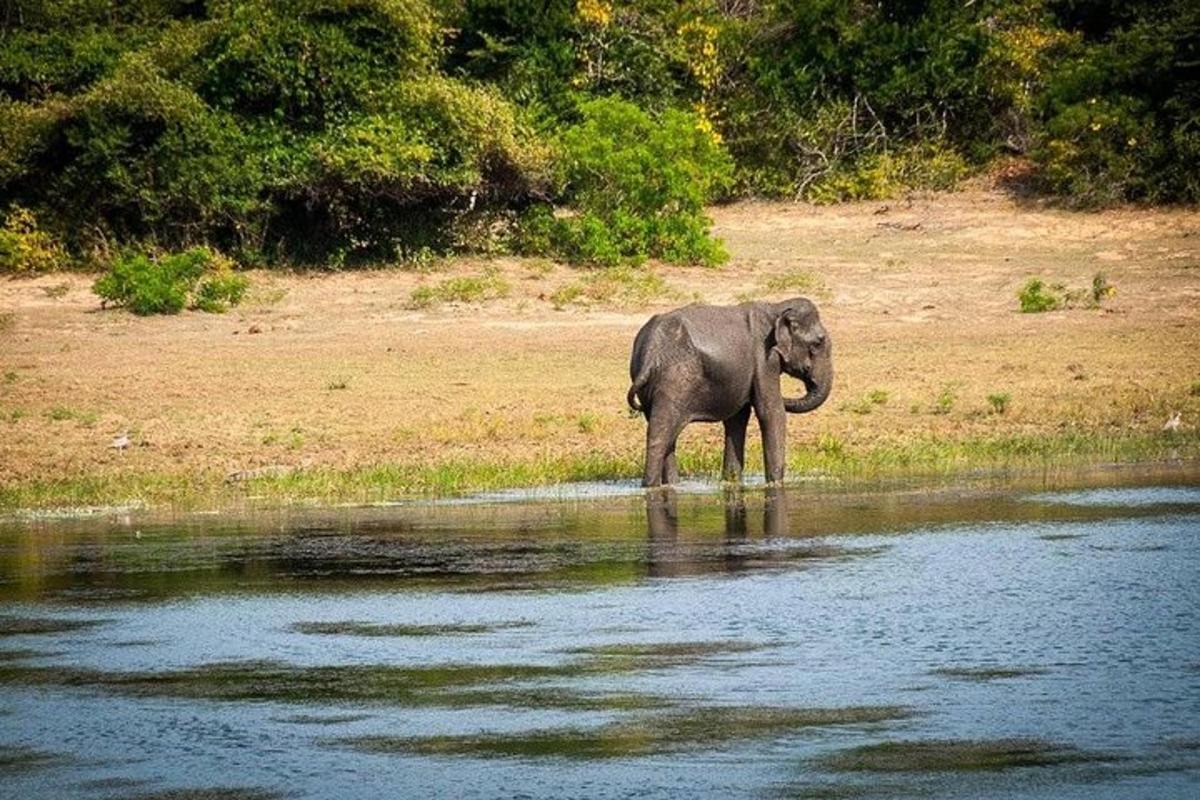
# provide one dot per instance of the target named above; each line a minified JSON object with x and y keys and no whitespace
{"x":120,"y":441}
{"x":1173,"y":423}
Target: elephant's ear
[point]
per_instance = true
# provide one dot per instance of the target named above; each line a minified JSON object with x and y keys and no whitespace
{"x":783,"y":337}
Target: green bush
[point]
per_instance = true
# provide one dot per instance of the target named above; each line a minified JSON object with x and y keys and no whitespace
{"x":197,"y":277}
{"x":1035,"y":297}
{"x":640,"y":184}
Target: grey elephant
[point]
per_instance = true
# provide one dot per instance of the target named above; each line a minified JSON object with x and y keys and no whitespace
{"x":717,"y":364}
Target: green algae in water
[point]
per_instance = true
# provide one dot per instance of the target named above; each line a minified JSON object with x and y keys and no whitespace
{"x":449,"y":686}
{"x":276,"y":681}
{"x":15,"y":759}
{"x":645,"y":656}
{"x":953,"y":755}
{"x":552,"y":697}
{"x":987,"y":673}
{"x":23,"y":654}
{"x":24,"y":626}
{"x":643,"y":735}
{"x":667,"y":649}
{"x":356,"y":628}
{"x":214,"y":793}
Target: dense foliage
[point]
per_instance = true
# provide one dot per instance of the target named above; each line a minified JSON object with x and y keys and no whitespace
{"x":196,"y":278}
{"x":343,"y":130}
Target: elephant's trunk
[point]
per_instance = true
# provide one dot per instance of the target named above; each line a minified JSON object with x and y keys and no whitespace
{"x":818,"y":382}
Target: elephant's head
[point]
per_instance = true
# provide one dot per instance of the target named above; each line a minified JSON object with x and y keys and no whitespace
{"x":805,"y":352}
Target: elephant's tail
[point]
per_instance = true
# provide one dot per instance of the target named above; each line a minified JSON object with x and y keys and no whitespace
{"x":632,"y":398}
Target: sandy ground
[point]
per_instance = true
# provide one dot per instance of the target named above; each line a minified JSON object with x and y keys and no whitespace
{"x":336,"y":370}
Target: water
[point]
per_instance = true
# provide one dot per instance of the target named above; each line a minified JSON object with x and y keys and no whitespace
{"x":1039,"y":642}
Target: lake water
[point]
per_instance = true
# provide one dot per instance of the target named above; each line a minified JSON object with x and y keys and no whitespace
{"x":1031,"y":640}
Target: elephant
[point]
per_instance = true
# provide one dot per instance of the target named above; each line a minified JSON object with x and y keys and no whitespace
{"x":703,"y":363}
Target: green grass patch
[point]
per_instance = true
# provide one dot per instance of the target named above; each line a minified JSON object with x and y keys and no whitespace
{"x":491,"y":285}
{"x":958,"y":756}
{"x":622,"y":286}
{"x":918,"y":457}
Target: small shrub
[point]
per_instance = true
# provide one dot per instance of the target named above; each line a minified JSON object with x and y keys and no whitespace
{"x":167,"y":285}
{"x":1035,"y":297}
{"x":945,"y":400}
{"x":25,"y":248}
{"x":999,"y":402}
{"x":1101,"y":289}
{"x":1194,"y":389}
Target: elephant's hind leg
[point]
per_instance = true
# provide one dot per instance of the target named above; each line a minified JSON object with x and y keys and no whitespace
{"x":670,"y":466}
{"x":662,"y":429}
{"x":735,"y":445}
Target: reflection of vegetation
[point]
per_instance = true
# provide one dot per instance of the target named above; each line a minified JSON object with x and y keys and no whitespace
{"x":355,"y":628}
{"x":958,"y":755}
{"x":987,"y":673}
{"x":19,"y":626}
{"x":695,"y":729}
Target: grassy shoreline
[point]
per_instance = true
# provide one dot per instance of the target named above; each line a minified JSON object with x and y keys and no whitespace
{"x":923,"y":458}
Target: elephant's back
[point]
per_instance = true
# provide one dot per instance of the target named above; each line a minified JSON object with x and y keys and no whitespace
{"x":663,"y":340}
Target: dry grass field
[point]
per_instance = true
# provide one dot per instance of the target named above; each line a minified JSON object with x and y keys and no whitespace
{"x":472,"y":373}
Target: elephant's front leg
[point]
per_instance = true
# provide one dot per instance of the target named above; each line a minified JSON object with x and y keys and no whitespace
{"x":735,"y":445}
{"x":772,"y":420}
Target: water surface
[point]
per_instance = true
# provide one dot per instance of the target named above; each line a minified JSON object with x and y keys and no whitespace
{"x":1037,"y":640}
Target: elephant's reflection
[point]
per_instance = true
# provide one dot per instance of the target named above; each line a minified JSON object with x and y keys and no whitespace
{"x":668,"y":556}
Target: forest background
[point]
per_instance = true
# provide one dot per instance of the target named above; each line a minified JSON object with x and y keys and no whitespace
{"x":343,"y":132}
